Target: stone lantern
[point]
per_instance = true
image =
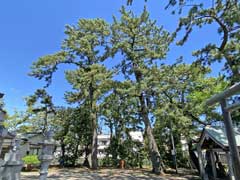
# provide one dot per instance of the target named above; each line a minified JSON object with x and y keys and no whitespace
{"x":46,"y":155}
{"x":3,"y":131}
{"x":13,"y":163}
{"x":10,"y":164}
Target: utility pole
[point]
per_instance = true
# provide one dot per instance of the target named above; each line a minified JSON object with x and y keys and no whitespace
{"x":226,"y":112}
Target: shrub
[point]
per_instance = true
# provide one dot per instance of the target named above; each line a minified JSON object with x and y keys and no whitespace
{"x":31,"y":159}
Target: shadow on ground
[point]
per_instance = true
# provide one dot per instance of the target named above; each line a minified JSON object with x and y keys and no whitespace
{"x":106,"y":174}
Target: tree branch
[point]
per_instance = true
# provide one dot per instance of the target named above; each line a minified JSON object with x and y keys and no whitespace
{"x":224,"y":28}
{"x":185,"y":112}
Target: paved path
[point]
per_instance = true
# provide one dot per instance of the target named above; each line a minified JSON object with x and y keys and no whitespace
{"x":103,"y":174}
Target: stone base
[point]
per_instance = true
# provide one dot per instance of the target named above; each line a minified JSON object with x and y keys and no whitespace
{"x":10,"y":170}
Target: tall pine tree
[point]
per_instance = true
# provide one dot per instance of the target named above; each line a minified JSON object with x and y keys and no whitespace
{"x":86,"y":48}
{"x":141,"y":42}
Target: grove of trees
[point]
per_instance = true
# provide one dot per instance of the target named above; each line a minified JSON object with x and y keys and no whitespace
{"x":140,"y":92}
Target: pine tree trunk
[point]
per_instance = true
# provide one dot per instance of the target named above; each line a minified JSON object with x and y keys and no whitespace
{"x":152,"y":146}
{"x":93,"y":117}
{"x":75,"y":155}
{"x":62,"y":149}
{"x":94,"y":145}
{"x":157,"y":165}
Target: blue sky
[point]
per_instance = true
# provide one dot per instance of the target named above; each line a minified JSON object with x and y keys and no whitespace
{"x":31,"y":29}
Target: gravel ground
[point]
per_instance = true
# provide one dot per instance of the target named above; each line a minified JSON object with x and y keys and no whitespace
{"x":106,"y":174}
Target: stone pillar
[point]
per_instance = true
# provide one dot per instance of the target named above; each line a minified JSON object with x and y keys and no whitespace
{"x":46,"y":155}
{"x":230,"y":168}
{"x":212,"y":158}
{"x":201,"y":164}
{"x":2,"y":164}
{"x":231,"y":139}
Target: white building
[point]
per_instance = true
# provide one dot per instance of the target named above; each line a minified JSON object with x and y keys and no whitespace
{"x":136,"y":136}
{"x":103,"y":143}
